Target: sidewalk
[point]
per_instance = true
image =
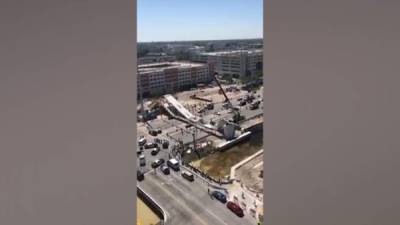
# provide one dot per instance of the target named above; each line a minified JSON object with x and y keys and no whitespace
{"x":241,"y":196}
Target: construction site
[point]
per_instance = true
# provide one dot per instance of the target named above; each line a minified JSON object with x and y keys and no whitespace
{"x":214,"y":130}
{"x":212,"y":127}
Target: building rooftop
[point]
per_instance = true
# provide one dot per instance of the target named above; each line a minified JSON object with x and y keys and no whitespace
{"x":233,"y":52}
{"x":160,"y":66}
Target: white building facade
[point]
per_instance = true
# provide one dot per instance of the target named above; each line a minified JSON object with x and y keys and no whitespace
{"x":169,"y":77}
{"x":238,"y":63}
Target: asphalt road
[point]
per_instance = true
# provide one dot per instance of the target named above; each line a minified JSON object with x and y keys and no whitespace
{"x":188,"y":202}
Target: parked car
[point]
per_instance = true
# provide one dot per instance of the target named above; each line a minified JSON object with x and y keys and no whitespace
{"x":165,"y":144}
{"x":157,"y":163}
{"x":235,"y":208}
{"x":242,"y":103}
{"x":153,"y":132}
{"x":254,"y":105}
{"x":150,"y":145}
{"x":165,"y":169}
{"x":142,"y":160}
{"x":140,"y":175}
{"x":188,"y":176}
{"x":155,"y":151}
{"x":142,"y":141}
{"x":219,"y":196}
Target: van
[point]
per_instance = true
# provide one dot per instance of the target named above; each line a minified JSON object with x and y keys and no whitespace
{"x":173,"y":164}
{"x":188,"y":176}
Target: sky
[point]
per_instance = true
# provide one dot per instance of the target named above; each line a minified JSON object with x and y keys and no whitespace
{"x":181,"y":20}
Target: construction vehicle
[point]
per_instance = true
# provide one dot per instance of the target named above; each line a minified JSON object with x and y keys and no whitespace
{"x":237,"y":116}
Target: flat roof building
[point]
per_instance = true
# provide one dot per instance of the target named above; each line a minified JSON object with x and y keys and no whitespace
{"x":169,"y":77}
{"x":235,"y":63}
{"x":155,"y":57}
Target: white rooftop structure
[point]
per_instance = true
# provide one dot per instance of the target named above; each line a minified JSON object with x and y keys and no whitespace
{"x":234,"y":52}
{"x":154,"y":67}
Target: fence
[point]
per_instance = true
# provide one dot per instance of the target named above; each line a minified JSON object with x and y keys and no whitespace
{"x":208,"y":177}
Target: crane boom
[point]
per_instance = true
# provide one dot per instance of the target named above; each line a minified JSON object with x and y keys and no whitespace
{"x":222,"y":90}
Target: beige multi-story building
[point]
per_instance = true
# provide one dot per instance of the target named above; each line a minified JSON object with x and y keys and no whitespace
{"x":169,"y":77}
{"x":237,"y":63}
{"x":155,"y":57}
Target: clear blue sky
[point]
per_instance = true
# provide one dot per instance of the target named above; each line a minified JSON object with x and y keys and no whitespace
{"x":175,"y":20}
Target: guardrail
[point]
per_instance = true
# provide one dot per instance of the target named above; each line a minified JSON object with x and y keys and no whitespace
{"x":153,"y":205}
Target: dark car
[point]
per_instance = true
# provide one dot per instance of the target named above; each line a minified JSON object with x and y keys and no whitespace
{"x":219,"y":196}
{"x":157,"y":163}
{"x":242,"y":103}
{"x":142,"y":141}
{"x":235,"y":208}
{"x":150,"y":145}
{"x":188,"y":176}
{"x":153,"y":132}
{"x":155,"y":151}
{"x":165,"y":169}
{"x":140,"y":175}
{"x":254,"y":105}
{"x":165,"y":144}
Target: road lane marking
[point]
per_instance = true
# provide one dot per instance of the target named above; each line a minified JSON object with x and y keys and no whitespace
{"x":190,"y":196}
{"x":182,"y":204}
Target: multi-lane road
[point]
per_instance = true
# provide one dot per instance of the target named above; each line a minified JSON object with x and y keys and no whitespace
{"x":186,"y":202}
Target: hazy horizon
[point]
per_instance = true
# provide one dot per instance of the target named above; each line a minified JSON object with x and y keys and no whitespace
{"x":230,"y":39}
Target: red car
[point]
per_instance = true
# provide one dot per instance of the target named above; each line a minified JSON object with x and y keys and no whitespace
{"x":235,"y":208}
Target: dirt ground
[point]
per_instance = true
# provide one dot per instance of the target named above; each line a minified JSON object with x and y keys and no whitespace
{"x":209,"y":93}
{"x":249,"y":173}
{"x":218,"y":165}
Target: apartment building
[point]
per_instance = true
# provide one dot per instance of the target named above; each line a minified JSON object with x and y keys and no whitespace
{"x":169,"y":77}
{"x":237,"y":63}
